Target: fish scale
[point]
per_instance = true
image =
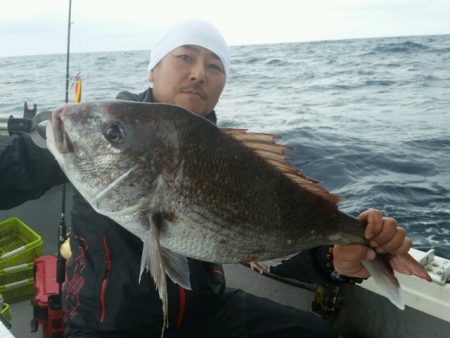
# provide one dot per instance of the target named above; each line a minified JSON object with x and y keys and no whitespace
{"x":187,"y":241}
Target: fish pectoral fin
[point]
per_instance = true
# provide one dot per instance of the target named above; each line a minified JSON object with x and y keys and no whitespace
{"x":177,"y":268}
{"x":152,"y":260}
{"x":146,"y":253}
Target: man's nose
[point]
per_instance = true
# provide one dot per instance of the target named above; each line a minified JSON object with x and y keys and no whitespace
{"x":198,"y":72}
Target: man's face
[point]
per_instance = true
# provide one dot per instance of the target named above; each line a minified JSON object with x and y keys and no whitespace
{"x":189,"y":76}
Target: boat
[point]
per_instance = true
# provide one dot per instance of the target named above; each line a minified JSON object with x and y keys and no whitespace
{"x":355,"y":310}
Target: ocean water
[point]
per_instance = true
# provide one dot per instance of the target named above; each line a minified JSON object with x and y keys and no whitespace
{"x":368,"y":118}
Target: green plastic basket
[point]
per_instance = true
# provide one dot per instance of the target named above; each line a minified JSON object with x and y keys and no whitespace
{"x":18,"y":243}
{"x":15,"y":273}
{"x":6,"y":312}
{"x":17,"y":291}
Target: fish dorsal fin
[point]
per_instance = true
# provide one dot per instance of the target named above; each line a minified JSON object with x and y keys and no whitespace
{"x":264,"y":145}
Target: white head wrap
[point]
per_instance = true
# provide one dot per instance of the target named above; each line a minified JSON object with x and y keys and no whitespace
{"x":193,"y":32}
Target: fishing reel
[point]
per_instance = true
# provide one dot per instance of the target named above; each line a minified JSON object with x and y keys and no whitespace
{"x":327,"y":302}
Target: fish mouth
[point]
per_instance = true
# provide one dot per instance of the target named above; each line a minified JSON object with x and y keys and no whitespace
{"x":60,"y":137}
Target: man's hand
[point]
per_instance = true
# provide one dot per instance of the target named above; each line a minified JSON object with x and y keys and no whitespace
{"x":384,"y":234}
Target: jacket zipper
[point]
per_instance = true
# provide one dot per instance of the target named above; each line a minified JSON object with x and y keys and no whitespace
{"x":105,"y":279}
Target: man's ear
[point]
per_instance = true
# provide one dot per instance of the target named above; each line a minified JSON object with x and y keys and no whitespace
{"x":150,"y":75}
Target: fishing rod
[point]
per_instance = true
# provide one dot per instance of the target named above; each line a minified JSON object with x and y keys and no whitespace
{"x":69,"y":25}
{"x":62,"y":228}
{"x":55,"y":313}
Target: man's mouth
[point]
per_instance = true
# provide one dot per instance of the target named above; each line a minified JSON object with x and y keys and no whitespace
{"x":195,"y":92}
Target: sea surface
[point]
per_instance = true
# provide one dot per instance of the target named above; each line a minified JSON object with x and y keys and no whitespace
{"x":368,"y":118}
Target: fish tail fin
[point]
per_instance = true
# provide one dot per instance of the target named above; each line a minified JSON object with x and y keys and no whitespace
{"x":406,"y":264}
{"x":382,"y":271}
{"x":383,"y":275}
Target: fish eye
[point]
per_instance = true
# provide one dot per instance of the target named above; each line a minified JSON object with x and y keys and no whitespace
{"x":114,"y":133}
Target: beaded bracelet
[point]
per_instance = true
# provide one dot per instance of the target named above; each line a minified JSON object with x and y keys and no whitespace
{"x":336,"y":276}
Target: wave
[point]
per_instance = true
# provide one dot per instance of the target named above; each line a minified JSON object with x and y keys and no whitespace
{"x":383,"y":83}
{"x":400,"y":47}
{"x":430,"y":144}
{"x":276,"y":62}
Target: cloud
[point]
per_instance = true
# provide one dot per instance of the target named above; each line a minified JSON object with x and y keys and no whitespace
{"x":40,"y":27}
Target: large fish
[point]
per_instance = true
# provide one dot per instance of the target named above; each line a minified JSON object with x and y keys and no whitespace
{"x":189,"y":189}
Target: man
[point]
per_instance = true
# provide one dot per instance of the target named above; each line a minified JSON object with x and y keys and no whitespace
{"x":102,"y":296}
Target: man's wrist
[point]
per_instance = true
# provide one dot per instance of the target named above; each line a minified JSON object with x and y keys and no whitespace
{"x":335,"y":275}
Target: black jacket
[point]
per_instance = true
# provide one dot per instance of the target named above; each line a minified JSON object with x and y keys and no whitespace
{"x":102,"y":290}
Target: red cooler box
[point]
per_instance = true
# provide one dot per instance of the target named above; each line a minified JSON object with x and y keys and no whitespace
{"x":47,"y":309}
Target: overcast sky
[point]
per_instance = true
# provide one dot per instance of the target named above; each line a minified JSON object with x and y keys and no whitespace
{"x":29,"y":27}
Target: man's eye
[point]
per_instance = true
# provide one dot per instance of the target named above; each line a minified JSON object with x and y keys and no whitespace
{"x":185,"y":57}
{"x":216,"y":67}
